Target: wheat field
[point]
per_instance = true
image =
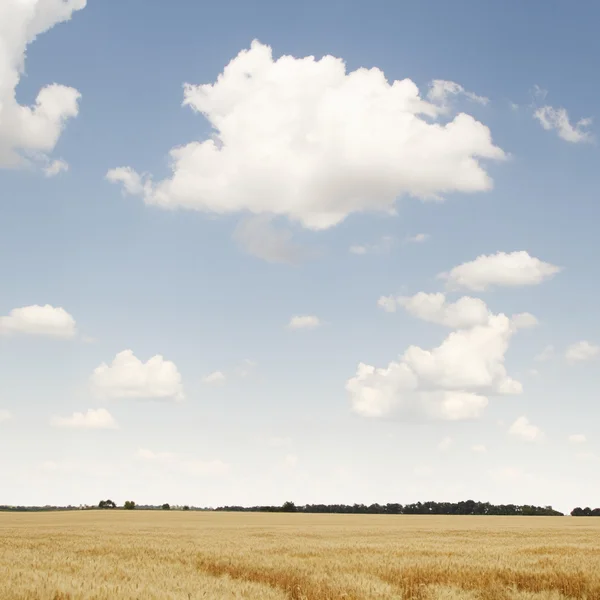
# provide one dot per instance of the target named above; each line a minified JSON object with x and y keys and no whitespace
{"x":189,"y":555}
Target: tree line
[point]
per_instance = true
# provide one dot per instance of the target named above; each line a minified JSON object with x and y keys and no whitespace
{"x":465,"y":507}
{"x":585,"y":512}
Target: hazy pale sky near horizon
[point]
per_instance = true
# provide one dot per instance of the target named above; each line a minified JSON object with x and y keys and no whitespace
{"x":328,"y":252}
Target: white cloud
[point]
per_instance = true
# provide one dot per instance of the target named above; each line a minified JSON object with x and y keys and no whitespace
{"x":546,"y":354}
{"x":132,"y":182}
{"x":55,"y":167}
{"x":304,"y":322}
{"x":523,"y":429}
{"x":173,"y":462}
{"x":500,"y":269}
{"x":257,"y":236}
{"x":129,"y":377}
{"x":39,"y":320}
{"x":215,"y":378}
{"x":445,"y":444}
{"x":582,"y":352}
{"x":30,"y":132}
{"x":383,"y":246}
{"x":445,"y":383}
{"x":464,"y":313}
{"x":557,"y":119}
{"x":301,"y":138}
{"x":5,"y":415}
{"x":525,"y":320}
{"x":479,"y":449}
{"x":577,"y":438}
{"x":92,"y":419}
{"x":440,"y":92}
{"x":388,"y":303}
{"x":419,"y":238}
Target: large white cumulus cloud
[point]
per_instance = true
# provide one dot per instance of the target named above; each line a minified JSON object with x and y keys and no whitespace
{"x":305,"y":139}
{"x":31,"y":131}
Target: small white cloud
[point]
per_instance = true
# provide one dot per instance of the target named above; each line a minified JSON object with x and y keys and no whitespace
{"x":419,"y":238}
{"x":30,"y":132}
{"x":501,"y":269}
{"x":388,"y":303}
{"x":577,"y":438}
{"x":129,"y":377}
{"x":55,"y":167}
{"x":546,"y":354}
{"x":383,"y":246}
{"x":479,"y":449}
{"x":557,"y":119}
{"x":464,"y":313}
{"x":304,"y":322}
{"x":92,"y":419}
{"x":445,"y":444}
{"x":582,"y":351}
{"x":215,"y":378}
{"x":5,"y":415}
{"x":39,"y":320}
{"x":525,"y":321}
{"x":440,"y":92}
{"x":281,"y":143}
{"x":132,"y":182}
{"x":523,"y":429}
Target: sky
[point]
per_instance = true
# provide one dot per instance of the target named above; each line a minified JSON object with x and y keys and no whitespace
{"x":328,"y":252}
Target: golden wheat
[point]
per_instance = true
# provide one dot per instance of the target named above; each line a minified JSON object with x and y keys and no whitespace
{"x":188,"y":555}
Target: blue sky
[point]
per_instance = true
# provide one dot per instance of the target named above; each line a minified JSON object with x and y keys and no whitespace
{"x":207,"y":266}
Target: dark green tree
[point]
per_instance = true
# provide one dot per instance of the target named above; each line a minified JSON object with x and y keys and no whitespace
{"x":166,"y":506}
{"x":129,"y":505}
{"x":288,"y":507}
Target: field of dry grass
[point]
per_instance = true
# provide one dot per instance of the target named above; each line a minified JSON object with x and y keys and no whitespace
{"x":189,"y":555}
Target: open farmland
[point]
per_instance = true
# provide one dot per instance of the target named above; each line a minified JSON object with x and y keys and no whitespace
{"x":189,"y":555}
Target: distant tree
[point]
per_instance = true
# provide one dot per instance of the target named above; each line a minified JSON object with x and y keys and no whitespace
{"x":288,"y":507}
{"x":106,"y":504}
{"x":166,"y":506}
{"x":186,"y":507}
{"x":129,"y":505}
